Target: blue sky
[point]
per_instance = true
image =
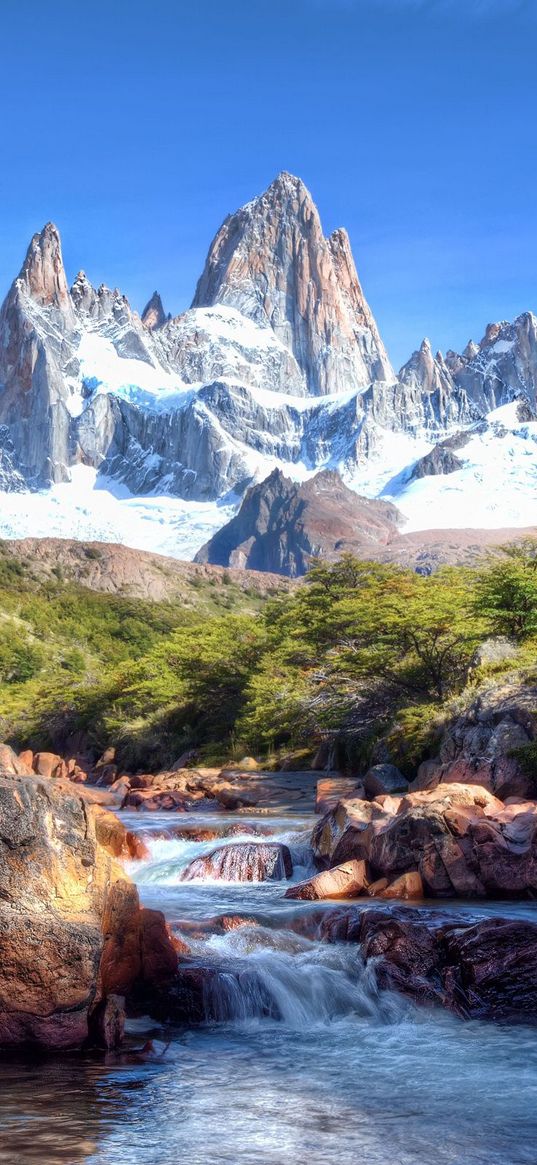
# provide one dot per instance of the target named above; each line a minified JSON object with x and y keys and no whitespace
{"x":137,"y":127}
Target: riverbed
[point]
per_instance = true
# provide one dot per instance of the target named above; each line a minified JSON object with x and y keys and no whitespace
{"x":300,"y":1061}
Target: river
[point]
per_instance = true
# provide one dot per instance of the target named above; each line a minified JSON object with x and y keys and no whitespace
{"x":300,"y":1062}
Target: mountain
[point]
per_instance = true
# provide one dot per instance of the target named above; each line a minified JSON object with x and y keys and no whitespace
{"x":148,"y":429}
{"x":272,"y":263}
{"x":283,"y":526}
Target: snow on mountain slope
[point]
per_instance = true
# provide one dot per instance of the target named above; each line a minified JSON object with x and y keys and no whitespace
{"x":149,"y":430}
{"x":89,"y":512}
{"x":496,"y":486}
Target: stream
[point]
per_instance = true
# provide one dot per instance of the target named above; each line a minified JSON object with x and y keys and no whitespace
{"x":300,"y":1061}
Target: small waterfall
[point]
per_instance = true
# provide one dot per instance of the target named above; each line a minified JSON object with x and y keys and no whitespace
{"x":262,"y":973}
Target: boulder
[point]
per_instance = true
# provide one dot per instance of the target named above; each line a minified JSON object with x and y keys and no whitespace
{"x":246,"y":862}
{"x":406,"y":886}
{"x":482,"y":970}
{"x":481,"y":745}
{"x":11,"y":764}
{"x":460,"y":840}
{"x":48,"y":764}
{"x":105,"y":775}
{"x":119,"y":841}
{"x":71,"y":927}
{"x":346,"y":881}
{"x":384,"y":778}
{"x":348,"y":818}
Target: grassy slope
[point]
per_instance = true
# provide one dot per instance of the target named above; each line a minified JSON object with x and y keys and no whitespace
{"x":57,"y":634}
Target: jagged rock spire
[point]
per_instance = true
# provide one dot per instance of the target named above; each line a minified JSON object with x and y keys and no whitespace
{"x":271,"y":261}
{"x":153,"y":315}
{"x":43,"y":275}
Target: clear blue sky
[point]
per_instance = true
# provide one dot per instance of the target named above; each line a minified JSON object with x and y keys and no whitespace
{"x":137,"y":126}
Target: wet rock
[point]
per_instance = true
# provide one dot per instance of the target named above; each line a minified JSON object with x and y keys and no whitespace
{"x":108,"y":1023}
{"x":384,"y":778}
{"x":477,"y":970}
{"x":346,"y":881}
{"x":249,"y":862}
{"x":491,"y":969}
{"x":119,"y":841}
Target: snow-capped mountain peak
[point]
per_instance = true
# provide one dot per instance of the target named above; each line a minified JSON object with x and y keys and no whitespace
{"x":278,"y":365}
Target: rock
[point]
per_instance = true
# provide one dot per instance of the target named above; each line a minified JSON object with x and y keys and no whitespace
{"x":495,"y":650}
{"x":108,"y":758}
{"x":376,"y":889}
{"x":229,"y":799}
{"x":346,"y":881}
{"x":459,"y":839}
{"x":439,"y":460}
{"x":48,"y":764}
{"x":482,"y":970}
{"x":247,"y":862}
{"x":479,"y":747}
{"x":409,"y":885}
{"x":187,"y":758}
{"x":330,"y":790}
{"x":153,"y":315}
{"x":11,"y":764}
{"x":70,"y":920}
{"x":109,"y":1022}
{"x":337,"y":836}
{"x":283,"y":525}
{"x":119,"y":841}
{"x":248,"y":764}
{"x":276,"y":243}
{"x":384,"y":778}
{"x":26,"y":758}
{"x":105,"y":775}
{"x":491,"y":969}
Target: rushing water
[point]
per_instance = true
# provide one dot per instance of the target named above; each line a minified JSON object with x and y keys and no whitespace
{"x":301,"y":1060}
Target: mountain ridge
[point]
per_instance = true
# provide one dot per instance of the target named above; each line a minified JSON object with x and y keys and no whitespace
{"x":278,"y":364}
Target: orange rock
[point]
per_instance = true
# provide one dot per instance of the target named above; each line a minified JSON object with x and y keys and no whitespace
{"x":330,"y":790}
{"x":346,"y":881}
{"x":11,"y":764}
{"x":408,"y":885}
{"x":70,"y":919}
{"x":48,"y":764}
{"x":376,"y":889}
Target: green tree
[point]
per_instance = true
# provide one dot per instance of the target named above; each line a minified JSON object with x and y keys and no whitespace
{"x":506,"y":592}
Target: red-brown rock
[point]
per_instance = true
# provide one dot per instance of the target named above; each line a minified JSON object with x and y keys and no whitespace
{"x":347,"y":881}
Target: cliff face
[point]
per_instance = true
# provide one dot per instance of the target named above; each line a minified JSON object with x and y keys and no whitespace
{"x":72,"y":931}
{"x":271,"y":261}
{"x":37,"y":323}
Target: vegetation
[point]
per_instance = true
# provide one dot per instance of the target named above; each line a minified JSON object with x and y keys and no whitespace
{"x":358,"y":651}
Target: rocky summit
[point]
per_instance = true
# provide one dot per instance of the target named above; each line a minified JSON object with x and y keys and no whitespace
{"x":148,"y":430}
